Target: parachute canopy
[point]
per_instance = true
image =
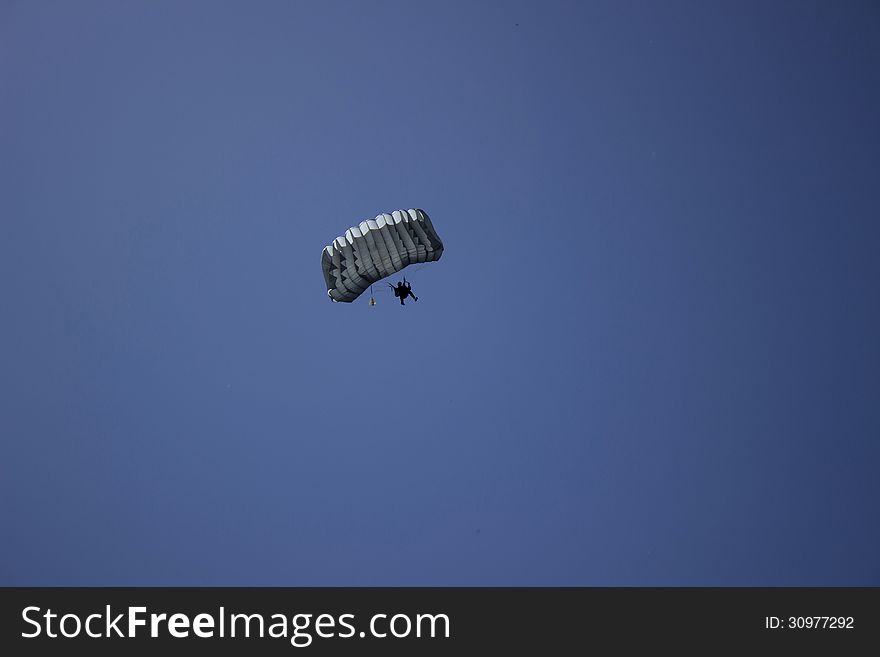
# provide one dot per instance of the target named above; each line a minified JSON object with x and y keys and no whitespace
{"x":377,"y":248}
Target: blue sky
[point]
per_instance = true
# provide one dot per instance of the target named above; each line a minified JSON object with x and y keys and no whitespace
{"x":648,"y":356}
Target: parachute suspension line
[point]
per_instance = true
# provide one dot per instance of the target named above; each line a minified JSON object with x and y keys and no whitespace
{"x":372,"y":298}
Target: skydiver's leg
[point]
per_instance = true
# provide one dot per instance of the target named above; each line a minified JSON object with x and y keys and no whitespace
{"x":401,"y":300}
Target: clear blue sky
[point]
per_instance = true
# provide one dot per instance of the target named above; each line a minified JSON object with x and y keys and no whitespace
{"x":648,"y":356}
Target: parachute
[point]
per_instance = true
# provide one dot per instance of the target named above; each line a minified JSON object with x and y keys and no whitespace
{"x":377,"y":248}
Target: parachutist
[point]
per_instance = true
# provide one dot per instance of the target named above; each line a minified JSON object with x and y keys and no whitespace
{"x":403,"y":290}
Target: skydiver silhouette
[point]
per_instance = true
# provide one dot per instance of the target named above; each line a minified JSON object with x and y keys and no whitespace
{"x":403,"y":290}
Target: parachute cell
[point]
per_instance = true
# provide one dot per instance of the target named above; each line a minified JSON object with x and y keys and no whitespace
{"x":377,"y":248}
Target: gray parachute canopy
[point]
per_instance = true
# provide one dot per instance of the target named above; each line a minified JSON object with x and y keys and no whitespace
{"x":377,"y":248}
